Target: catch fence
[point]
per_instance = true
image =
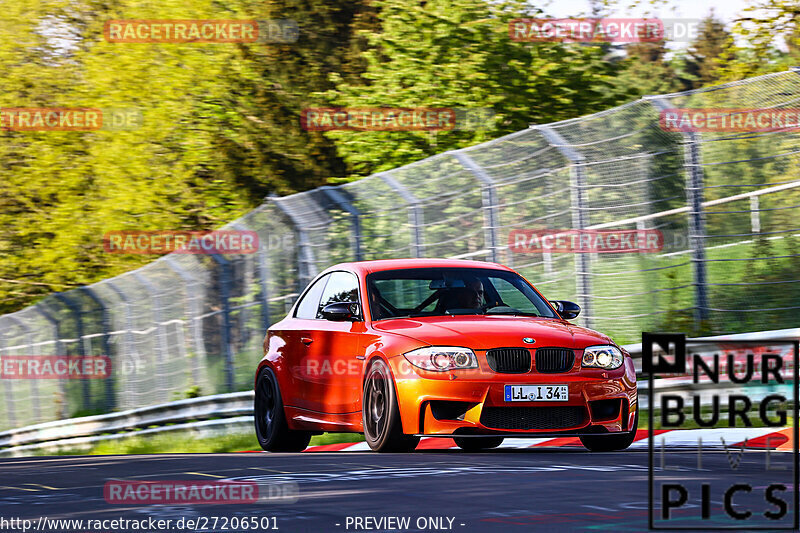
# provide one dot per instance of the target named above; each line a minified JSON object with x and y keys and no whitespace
{"x":725,"y":202}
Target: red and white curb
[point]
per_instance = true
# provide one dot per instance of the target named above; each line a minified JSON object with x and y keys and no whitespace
{"x":775,"y":439}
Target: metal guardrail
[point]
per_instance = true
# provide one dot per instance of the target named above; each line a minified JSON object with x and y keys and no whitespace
{"x":686,"y":386}
{"x":80,"y":445}
{"x":774,"y":335}
{"x":218,"y":406}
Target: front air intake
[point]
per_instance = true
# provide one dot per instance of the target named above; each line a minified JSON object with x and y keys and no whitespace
{"x":509,"y":360}
{"x":554,"y":360}
{"x":558,"y":417}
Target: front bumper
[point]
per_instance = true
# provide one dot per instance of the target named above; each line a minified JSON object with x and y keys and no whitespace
{"x":444,"y":404}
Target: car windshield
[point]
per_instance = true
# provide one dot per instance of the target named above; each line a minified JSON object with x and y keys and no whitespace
{"x":418,"y":292}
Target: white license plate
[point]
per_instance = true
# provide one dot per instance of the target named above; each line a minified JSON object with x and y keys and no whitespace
{"x":536,"y":393}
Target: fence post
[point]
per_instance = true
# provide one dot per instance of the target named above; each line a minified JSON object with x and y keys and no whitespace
{"x":305,"y":255}
{"x":128,"y":338}
{"x":225,"y":294}
{"x":415,"y":219}
{"x":76,"y":312}
{"x":193,"y":314}
{"x":161,"y":333}
{"x":34,"y":382}
{"x":8,"y":393}
{"x":57,"y":328}
{"x":340,"y":199}
{"x":755,"y":215}
{"x":245,"y":281}
{"x":263,"y":274}
{"x":578,"y":208}
{"x":106,"y":323}
{"x":488,"y":201}
{"x":694,"y":199}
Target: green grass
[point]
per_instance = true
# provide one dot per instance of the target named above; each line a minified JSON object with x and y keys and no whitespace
{"x":689,"y":422}
{"x":239,"y":442}
{"x":186,"y":443}
{"x":335,"y":438}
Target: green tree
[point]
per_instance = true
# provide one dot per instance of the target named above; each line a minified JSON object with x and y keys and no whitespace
{"x":702,"y":58}
{"x":458,"y":54}
{"x":647,"y":71}
{"x":220,"y":129}
{"x":763,"y":25}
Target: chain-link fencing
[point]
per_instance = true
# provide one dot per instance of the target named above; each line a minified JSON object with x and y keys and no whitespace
{"x":725,"y":203}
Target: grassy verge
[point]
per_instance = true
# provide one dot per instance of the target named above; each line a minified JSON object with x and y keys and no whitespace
{"x":690,"y":423}
{"x":190,"y":444}
{"x":239,"y":442}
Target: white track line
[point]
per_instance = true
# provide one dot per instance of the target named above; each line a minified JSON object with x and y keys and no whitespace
{"x":673,"y":438}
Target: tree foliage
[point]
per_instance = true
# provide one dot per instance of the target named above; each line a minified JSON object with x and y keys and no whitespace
{"x":457,"y":54}
{"x":767,"y":39}
{"x":220,"y":129}
{"x":221,"y":122}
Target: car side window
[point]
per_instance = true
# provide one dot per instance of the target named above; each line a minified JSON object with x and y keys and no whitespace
{"x":309,"y":305}
{"x":342,"y":287}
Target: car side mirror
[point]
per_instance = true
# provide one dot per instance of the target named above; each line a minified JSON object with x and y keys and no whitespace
{"x":567,"y":310}
{"x":341,"y":311}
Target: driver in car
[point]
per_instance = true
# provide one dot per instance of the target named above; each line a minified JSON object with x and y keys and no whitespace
{"x":471,"y":295}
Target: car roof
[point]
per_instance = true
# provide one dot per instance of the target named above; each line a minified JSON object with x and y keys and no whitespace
{"x":378,"y":265}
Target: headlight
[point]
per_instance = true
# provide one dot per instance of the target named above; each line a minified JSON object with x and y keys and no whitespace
{"x":442,"y":358}
{"x":607,"y":357}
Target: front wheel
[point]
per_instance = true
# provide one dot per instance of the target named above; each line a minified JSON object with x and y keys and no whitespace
{"x":611,"y":443}
{"x":380,"y":413}
{"x":474,"y":444}
{"x":272,"y":430}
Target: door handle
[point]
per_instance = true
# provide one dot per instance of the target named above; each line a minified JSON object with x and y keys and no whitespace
{"x":306,"y":340}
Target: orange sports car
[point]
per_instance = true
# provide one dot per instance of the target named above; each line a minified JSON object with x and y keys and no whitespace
{"x":404,"y":348}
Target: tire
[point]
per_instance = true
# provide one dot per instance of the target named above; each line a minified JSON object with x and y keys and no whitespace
{"x":272,"y":430}
{"x":475,"y":444}
{"x":611,"y":443}
{"x":380,"y":414}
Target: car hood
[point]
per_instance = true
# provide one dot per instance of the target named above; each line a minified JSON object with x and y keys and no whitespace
{"x":481,"y":332}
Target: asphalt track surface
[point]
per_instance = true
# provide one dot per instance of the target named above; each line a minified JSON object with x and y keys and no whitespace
{"x":536,"y":489}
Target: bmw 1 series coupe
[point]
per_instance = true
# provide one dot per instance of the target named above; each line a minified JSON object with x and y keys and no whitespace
{"x":404,"y":348}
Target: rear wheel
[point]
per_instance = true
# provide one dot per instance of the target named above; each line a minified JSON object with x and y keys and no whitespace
{"x":272,"y":430}
{"x":611,"y":443}
{"x":474,"y":444}
{"x":383,"y":430}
